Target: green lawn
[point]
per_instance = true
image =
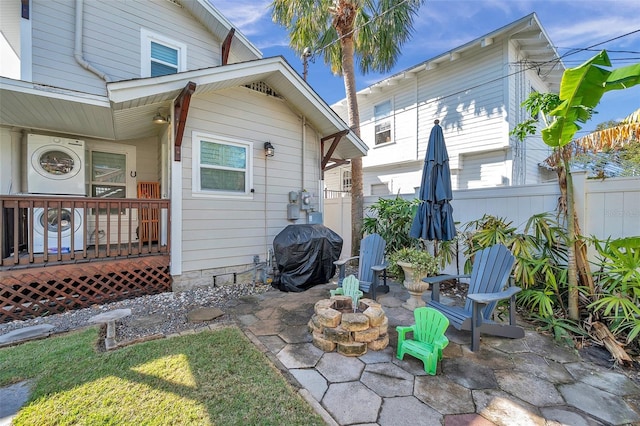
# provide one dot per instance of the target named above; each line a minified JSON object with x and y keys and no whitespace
{"x":201,"y":379}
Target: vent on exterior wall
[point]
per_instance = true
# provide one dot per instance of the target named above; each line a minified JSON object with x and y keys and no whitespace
{"x":261,"y":87}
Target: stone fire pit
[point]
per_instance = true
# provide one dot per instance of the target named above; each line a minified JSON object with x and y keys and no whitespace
{"x":335,"y":325}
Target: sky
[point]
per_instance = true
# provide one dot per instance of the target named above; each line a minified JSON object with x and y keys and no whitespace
{"x":442,"y":25}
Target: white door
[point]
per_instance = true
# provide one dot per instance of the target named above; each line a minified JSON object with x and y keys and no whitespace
{"x":112,"y":174}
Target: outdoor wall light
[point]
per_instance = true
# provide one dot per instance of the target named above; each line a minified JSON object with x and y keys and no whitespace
{"x":269,"y":150}
{"x":160,"y":119}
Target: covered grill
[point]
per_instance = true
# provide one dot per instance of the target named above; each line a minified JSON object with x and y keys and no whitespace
{"x":305,"y":255}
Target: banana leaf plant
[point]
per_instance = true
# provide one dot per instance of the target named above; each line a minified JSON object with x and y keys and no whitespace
{"x":581,"y":90}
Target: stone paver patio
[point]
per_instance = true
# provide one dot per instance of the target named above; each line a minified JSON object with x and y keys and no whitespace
{"x":530,"y":381}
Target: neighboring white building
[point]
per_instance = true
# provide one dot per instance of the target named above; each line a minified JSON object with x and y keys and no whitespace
{"x":100,"y":71}
{"x":475,"y":90}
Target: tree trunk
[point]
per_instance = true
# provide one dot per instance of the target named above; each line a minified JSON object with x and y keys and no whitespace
{"x":582,"y":262}
{"x":572,"y":269}
{"x":357,"y":193}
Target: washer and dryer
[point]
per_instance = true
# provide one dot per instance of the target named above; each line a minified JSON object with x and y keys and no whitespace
{"x":59,"y":223}
{"x":56,"y":166}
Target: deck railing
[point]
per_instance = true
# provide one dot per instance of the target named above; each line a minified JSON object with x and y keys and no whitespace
{"x":52,"y":230}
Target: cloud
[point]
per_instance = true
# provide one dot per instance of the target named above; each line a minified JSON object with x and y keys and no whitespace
{"x":581,"y":33}
{"x":248,"y":16}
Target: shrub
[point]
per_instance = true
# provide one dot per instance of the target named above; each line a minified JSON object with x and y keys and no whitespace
{"x":424,"y":263}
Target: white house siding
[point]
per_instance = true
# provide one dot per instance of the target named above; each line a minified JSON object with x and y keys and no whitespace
{"x":218,"y":233}
{"x":402,"y":178}
{"x":529,"y":154}
{"x":111,"y":40}
{"x":10,"y":39}
{"x":333,"y":178}
{"x":403,"y":146}
{"x":485,"y":170}
{"x":477,"y":99}
{"x":466,"y":95}
{"x":10,"y":154}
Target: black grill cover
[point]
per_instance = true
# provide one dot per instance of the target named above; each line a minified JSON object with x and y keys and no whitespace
{"x":305,"y":256}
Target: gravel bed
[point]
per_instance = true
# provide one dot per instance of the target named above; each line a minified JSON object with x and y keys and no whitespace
{"x":160,"y":314}
{"x":166,"y":313}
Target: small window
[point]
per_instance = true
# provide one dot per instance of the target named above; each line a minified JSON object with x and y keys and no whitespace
{"x":161,"y":55}
{"x":221,"y":166}
{"x":346,"y":180}
{"x":380,"y":189}
{"x":382,"y":117}
{"x":535,"y":116}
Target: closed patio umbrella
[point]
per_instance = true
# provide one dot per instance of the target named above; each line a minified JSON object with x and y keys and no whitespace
{"x":434,"y":216}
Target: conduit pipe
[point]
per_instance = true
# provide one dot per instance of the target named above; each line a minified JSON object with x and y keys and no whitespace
{"x":77,"y":52}
{"x":304,"y":143}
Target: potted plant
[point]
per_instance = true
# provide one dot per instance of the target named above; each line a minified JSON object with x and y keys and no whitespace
{"x":416,"y":264}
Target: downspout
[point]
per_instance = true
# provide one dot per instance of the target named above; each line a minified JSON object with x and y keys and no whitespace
{"x":77,"y":52}
{"x":304,"y":143}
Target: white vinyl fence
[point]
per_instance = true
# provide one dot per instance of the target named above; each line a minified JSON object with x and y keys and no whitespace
{"x":605,"y":208}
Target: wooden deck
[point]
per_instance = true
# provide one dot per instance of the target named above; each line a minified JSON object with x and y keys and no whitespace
{"x":83,"y":251}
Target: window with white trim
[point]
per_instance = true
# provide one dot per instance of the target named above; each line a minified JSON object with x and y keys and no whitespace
{"x":161,"y":55}
{"x":382,"y":117}
{"x":221,"y":166}
{"x":534,"y":116}
{"x":380,"y":188}
{"x":346,"y":180}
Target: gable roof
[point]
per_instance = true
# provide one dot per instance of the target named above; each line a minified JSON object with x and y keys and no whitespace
{"x":133,"y":99}
{"x":531,"y":38}
{"x":126,"y":111}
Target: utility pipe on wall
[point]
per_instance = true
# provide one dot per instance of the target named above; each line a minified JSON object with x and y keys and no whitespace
{"x":304,"y":143}
{"x":77,"y":52}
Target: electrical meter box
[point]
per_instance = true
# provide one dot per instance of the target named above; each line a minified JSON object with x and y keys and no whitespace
{"x":314,"y":218}
{"x":305,"y":200}
{"x":293,"y":212}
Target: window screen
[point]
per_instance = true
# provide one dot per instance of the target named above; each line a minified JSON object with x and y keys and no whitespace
{"x":164,"y":60}
{"x":382,"y":116}
{"x":223,"y":167}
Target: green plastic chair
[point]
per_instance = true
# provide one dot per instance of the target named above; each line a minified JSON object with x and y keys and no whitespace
{"x":350,"y":287}
{"x":428,"y":338}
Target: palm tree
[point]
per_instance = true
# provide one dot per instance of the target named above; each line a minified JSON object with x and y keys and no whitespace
{"x":372,"y":31}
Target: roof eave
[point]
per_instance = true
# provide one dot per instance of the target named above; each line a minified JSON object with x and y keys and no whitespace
{"x":274,"y":71}
{"x":530,"y":20}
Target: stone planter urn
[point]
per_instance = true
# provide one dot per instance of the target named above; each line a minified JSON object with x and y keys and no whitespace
{"x":414,"y":285}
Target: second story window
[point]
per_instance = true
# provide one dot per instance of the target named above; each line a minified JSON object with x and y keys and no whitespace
{"x":164,"y":60}
{"x":382,"y":117}
{"x":535,"y":116}
{"x":161,"y":55}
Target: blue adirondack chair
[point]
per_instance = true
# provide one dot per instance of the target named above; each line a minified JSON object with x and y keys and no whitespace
{"x":488,"y":279}
{"x":370,"y":264}
{"x":428,"y":338}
